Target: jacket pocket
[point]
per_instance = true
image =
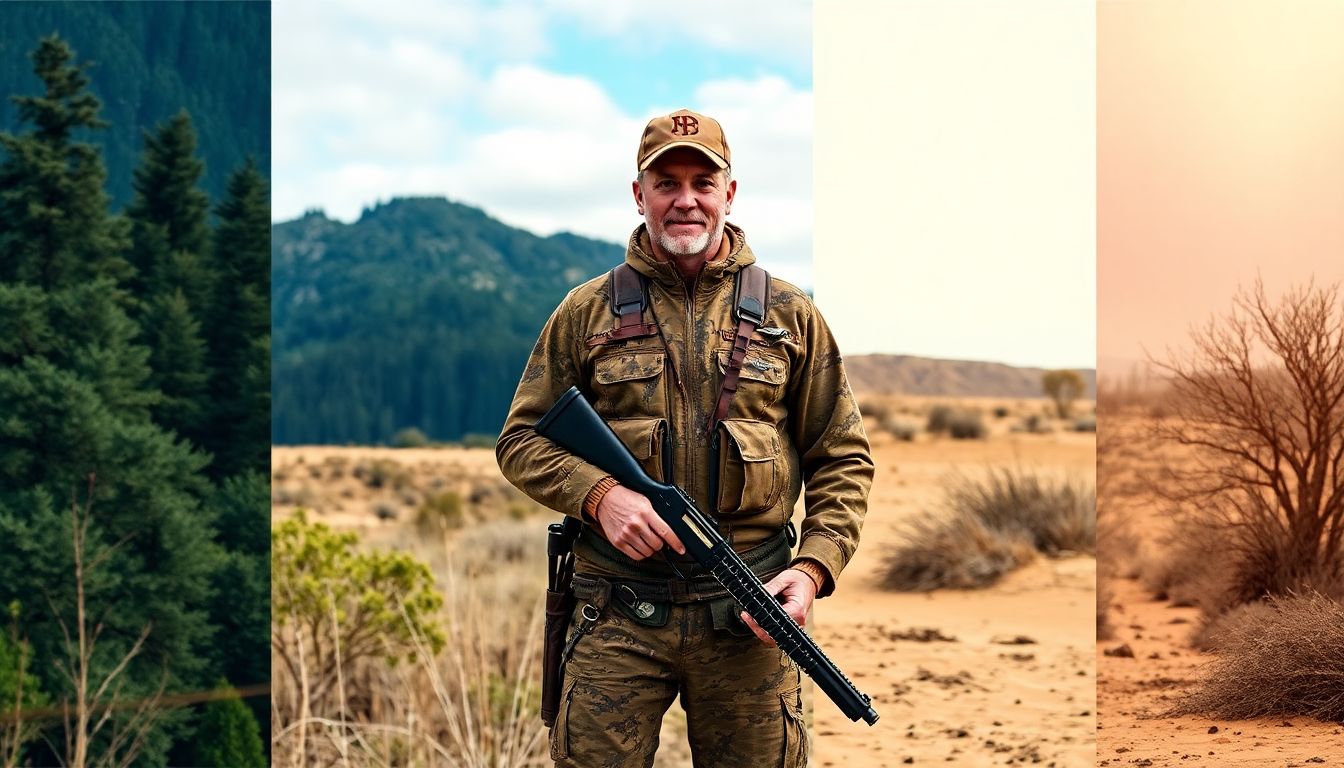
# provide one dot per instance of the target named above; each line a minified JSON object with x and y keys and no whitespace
{"x":749,"y":468}
{"x":759,"y":382}
{"x":646,"y":439}
{"x":630,"y":383}
{"x":560,"y":731}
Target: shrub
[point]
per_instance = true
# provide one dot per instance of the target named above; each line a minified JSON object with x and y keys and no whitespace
{"x":440,"y":511}
{"x":475,"y":440}
{"x":325,"y":595}
{"x":989,"y":528}
{"x":410,"y":437}
{"x":228,"y":734}
{"x":967,"y":425}
{"x":1000,"y":412}
{"x":1085,"y":424}
{"x":901,"y":427}
{"x":939,"y":418}
{"x":1284,"y":661}
{"x":956,"y":552}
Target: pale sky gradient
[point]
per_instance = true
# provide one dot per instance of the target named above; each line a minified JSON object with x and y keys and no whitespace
{"x":1220,"y":156}
{"x":955,"y":178}
{"x":533,"y":109}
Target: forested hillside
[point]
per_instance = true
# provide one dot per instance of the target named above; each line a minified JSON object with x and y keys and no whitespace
{"x":134,"y":421}
{"x":421,"y":314}
{"x":150,"y":60}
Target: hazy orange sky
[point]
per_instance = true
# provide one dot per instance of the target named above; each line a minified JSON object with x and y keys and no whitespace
{"x":1220,"y":156}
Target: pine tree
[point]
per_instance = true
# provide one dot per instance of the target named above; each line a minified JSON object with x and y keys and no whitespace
{"x":56,"y":231}
{"x":229,"y":734}
{"x":240,"y":327}
{"x":75,"y":401}
{"x":170,"y":251}
{"x":169,"y":211}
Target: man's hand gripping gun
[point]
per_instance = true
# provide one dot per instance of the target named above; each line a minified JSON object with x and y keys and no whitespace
{"x":573,"y":425}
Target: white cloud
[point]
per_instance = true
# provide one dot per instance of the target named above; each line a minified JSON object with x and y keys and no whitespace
{"x":361,"y":117}
{"x":775,"y":29}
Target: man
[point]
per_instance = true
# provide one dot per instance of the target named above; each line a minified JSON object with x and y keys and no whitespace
{"x":656,"y":375}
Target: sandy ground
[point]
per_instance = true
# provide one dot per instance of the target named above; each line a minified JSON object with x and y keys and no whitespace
{"x":1132,"y":693}
{"x":988,"y":696}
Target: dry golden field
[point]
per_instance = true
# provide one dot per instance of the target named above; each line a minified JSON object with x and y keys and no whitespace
{"x":994,"y":676}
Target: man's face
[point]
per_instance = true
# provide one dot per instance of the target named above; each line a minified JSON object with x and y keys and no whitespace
{"x":685,"y":199}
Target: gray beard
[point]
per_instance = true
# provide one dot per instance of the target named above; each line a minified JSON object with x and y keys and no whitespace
{"x":681,"y":246}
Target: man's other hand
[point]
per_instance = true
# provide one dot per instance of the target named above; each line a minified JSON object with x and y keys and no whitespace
{"x":628,"y":521}
{"x":798,"y":590}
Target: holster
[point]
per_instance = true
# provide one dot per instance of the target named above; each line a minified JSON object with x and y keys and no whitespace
{"x":560,"y":603}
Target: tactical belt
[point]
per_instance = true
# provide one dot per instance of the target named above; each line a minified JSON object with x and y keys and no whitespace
{"x":766,"y":560}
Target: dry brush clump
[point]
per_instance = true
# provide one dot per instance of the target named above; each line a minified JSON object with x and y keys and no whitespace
{"x":1283,"y":659}
{"x":990,"y":527}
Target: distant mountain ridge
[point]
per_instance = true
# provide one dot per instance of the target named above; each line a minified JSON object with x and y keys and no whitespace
{"x":422,"y":314}
{"x":909,"y":375}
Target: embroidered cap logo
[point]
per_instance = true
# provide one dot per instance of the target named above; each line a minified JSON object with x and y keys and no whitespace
{"x":685,"y":125}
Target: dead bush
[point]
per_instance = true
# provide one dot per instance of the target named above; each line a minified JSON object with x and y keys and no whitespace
{"x":990,"y":527}
{"x":1284,"y":661}
{"x":957,"y":552}
{"x":1260,"y":398}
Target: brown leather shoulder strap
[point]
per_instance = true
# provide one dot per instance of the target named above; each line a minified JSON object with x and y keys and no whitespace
{"x":628,"y":298}
{"x":753,"y":297}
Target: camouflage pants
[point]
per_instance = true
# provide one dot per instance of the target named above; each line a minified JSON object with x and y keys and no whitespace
{"x":741,"y":697}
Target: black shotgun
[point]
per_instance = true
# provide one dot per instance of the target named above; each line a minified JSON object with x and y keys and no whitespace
{"x":573,"y":425}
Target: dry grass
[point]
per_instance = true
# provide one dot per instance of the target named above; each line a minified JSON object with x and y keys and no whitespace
{"x":991,"y":527}
{"x":473,"y":704}
{"x":1284,"y":659}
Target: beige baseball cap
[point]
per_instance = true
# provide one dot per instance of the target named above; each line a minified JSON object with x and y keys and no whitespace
{"x":683,"y":128}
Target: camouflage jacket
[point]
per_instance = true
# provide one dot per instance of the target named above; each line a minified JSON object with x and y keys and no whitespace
{"x":793,"y":422}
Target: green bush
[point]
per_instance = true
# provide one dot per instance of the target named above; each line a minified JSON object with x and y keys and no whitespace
{"x":410,"y":437}
{"x":477,"y":440}
{"x":228,"y":734}
{"x":440,"y":511}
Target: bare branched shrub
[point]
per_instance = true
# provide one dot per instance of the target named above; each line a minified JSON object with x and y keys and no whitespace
{"x":1261,"y":403}
{"x":991,"y":527}
{"x":1287,"y":659}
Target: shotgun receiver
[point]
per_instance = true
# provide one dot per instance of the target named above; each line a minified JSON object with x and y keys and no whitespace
{"x":573,"y":425}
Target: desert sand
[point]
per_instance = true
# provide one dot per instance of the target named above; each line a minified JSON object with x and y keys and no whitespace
{"x":1131,"y":691}
{"x":1015,"y":684}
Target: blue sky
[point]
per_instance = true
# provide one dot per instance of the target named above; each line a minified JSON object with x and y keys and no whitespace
{"x":532,"y":110}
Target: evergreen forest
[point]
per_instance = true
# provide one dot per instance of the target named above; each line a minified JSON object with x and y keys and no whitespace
{"x":150,"y":60}
{"x":134,"y":420}
{"x":420,"y":314}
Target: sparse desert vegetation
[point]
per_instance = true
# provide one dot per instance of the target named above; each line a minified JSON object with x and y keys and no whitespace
{"x":990,"y":526}
{"x":1223,"y":496}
